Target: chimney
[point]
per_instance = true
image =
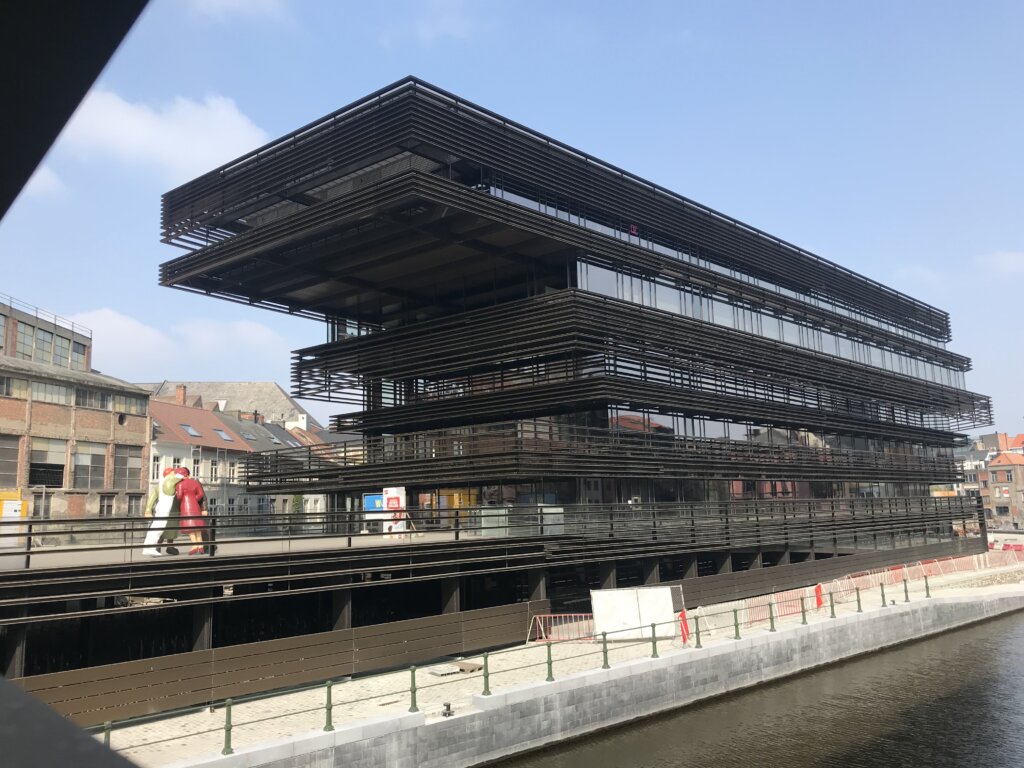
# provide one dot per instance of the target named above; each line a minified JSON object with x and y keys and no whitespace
{"x":179,"y":394}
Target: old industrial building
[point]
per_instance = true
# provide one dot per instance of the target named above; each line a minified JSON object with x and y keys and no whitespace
{"x":73,"y":442}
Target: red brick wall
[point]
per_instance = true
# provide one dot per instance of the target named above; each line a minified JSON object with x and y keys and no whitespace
{"x":50,"y":420}
{"x":12,"y":415}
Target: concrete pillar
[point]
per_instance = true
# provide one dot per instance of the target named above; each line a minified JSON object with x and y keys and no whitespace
{"x":451,"y":595}
{"x":202,"y":627}
{"x":649,"y":569}
{"x":723,"y":563}
{"x":538,"y":581}
{"x":12,"y":643}
{"x":341,"y":609}
{"x":690,"y":569}
{"x":755,"y":561}
{"x":608,"y":574}
{"x":784,"y":557}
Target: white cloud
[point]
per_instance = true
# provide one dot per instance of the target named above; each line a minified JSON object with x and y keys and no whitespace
{"x":44,"y":183}
{"x":221,"y":10}
{"x":192,"y":349}
{"x":1003,"y":262}
{"x":444,"y":18}
{"x":438,"y":19}
{"x":181,"y":139}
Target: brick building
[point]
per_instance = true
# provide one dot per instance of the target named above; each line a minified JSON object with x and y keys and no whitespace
{"x":1002,"y":489}
{"x":73,"y":442}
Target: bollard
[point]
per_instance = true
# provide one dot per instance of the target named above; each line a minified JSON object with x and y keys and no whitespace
{"x":906,"y":592}
{"x":106,"y":733}
{"x":487,"y":676}
{"x":551,"y":666}
{"x":412,"y":690}
{"x":654,"y":641}
{"x":803,"y":610}
{"x":884,"y":604}
{"x":927,"y":592}
{"x":831,"y":605}
{"x":859,"y":609}
{"x":696,"y":629}
{"x":227,"y":728}
{"x":736,"y":622}
{"x":771,"y":617}
{"x":604,"y":650}
{"x":328,"y":721}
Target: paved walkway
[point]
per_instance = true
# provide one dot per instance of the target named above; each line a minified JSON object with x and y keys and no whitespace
{"x":181,"y":738}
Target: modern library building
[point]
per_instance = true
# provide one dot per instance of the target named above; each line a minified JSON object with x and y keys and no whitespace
{"x":579,"y":378}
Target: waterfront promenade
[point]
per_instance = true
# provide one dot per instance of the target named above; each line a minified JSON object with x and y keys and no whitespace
{"x":374,"y":705}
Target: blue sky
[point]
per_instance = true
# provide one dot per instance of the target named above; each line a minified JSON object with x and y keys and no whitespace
{"x":885,"y":136}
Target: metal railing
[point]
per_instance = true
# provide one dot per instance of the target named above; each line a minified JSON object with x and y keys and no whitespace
{"x":41,"y":314}
{"x":856,"y":523}
{"x":543,"y":659}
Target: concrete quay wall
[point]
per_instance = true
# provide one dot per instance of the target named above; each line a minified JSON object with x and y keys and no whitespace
{"x":516,"y":719}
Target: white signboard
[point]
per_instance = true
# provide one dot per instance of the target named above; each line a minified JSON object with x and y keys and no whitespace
{"x":627,"y":614}
{"x":11,"y":513}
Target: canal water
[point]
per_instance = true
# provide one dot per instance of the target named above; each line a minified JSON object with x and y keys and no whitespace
{"x":955,"y":700}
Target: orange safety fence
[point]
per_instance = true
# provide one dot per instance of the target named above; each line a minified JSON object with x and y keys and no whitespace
{"x":560,"y":627}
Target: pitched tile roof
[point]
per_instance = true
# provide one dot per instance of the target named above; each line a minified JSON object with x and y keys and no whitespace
{"x":1005,"y":459}
{"x":170,"y":417}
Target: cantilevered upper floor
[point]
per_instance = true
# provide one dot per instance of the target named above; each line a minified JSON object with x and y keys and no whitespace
{"x":411,"y":201}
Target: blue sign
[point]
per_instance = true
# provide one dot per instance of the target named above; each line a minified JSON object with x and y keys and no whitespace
{"x":373,"y":502}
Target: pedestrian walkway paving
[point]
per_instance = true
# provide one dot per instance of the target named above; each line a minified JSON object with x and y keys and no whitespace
{"x":181,"y":738}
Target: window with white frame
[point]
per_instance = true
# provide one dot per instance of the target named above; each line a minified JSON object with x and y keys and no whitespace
{"x":90,"y":464}
{"x":24,"y":341}
{"x":44,"y":346}
{"x":128,"y":467}
{"x":45,"y":392}
{"x":92,"y":398}
{"x":130,"y":404}
{"x":41,"y":505}
{"x":47,"y":461}
{"x":61,"y":351}
{"x":77,"y":356}
{"x":13,"y":387}
{"x":9,"y":450}
{"x":106,"y":506}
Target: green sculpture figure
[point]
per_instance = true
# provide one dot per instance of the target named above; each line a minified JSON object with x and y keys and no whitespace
{"x":161,"y":505}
